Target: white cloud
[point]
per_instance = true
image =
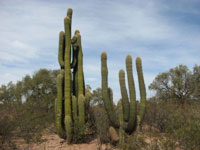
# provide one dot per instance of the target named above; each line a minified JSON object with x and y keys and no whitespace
{"x":17,"y":51}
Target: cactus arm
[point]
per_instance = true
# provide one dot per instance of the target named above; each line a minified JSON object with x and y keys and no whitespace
{"x":61,"y":49}
{"x":59,"y":102}
{"x":81,"y":108}
{"x":107,"y":101}
{"x":121,"y":122}
{"x":88,"y":96}
{"x":75,"y":49}
{"x":74,"y":61}
{"x":142,"y":89}
{"x":131,"y":85}
{"x":80,"y":65}
{"x":125,"y":102}
{"x":75,"y":111}
{"x":110,"y":94}
{"x":69,"y":14}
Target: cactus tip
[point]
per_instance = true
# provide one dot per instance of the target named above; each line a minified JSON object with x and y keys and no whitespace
{"x":121,"y":72}
{"x":77,"y":32}
{"x":138,"y":59}
{"x":103,"y":55}
{"x":62,"y":33}
{"x":69,"y":12}
{"x":128,"y":57}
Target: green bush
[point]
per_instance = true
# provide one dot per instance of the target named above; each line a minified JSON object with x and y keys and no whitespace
{"x":180,"y":123}
{"x":6,"y":133}
{"x":101,"y":123}
{"x":184,"y":126}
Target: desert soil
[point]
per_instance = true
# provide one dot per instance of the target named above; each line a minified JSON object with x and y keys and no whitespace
{"x":54,"y":142}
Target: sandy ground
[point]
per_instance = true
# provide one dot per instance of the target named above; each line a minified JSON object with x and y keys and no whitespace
{"x":54,"y":142}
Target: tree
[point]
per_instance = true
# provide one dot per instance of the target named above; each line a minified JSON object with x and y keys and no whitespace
{"x":196,"y":82}
{"x":173,"y":85}
{"x":29,"y":104}
{"x":96,"y":98}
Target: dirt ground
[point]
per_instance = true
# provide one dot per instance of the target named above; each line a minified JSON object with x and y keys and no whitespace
{"x":54,"y":142}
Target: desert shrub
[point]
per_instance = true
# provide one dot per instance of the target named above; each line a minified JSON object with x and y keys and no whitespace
{"x":184,"y":126}
{"x":31,"y":121}
{"x":6,"y":133}
{"x":7,"y":127}
{"x":181,"y":123}
{"x":101,"y":123}
{"x":157,"y":114}
{"x":134,"y":141}
{"x":28,"y":105}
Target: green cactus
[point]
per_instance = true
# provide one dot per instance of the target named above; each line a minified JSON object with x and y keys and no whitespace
{"x":121,"y":122}
{"x":127,"y":114}
{"x":81,"y":110}
{"x":81,"y":88}
{"x":70,"y":112}
{"x":125,"y":102}
{"x":59,"y":104}
{"x":131,"y":85}
{"x":106,"y":98}
{"x":67,"y":82}
{"x":68,"y":127}
{"x":61,"y":49}
{"x":142,"y":89}
{"x":75,"y":112}
{"x":110,"y":94}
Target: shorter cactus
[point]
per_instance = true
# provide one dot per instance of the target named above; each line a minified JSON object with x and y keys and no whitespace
{"x":128,"y":120}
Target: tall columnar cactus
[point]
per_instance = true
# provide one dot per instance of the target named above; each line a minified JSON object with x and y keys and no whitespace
{"x":129,"y":120}
{"x":70,"y":101}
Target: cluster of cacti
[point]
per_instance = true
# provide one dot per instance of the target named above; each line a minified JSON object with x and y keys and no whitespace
{"x":125,"y":118}
{"x":70,"y":102}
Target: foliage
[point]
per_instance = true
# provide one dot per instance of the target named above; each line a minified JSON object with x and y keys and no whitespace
{"x":101,"y":123}
{"x":180,"y":123}
{"x":7,"y":127}
{"x":177,"y":84}
{"x":96,"y":98}
{"x":28,"y":106}
{"x":183,"y":126}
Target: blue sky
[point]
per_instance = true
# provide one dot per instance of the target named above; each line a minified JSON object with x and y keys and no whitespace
{"x":164,"y":33}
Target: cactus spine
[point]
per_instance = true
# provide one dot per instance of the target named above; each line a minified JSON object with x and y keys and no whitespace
{"x":129,"y":120}
{"x":70,"y":101}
